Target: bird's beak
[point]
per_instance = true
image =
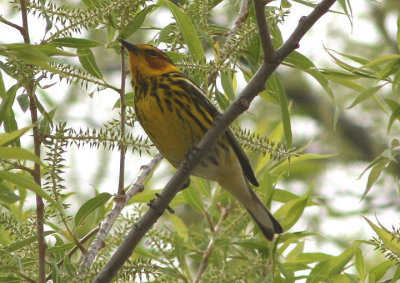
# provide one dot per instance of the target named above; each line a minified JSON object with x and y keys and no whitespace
{"x":131,"y":47}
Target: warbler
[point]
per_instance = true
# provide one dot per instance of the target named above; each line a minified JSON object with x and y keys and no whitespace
{"x":175,"y":114}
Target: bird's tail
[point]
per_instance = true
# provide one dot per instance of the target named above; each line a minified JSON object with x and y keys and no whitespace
{"x":244,"y":193}
{"x":264,"y":219}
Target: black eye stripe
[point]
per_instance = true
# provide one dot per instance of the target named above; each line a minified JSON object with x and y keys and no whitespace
{"x":152,"y":52}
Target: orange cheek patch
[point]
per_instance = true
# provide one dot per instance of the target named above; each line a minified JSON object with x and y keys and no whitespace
{"x":156,"y":63}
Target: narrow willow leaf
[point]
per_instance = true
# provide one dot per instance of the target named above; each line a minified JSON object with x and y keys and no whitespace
{"x":398,"y":32}
{"x":381,"y":59}
{"x":308,"y":258}
{"x":7,"y":138}
{"x":6,"y":104}
{"x":395,"y":116}
{"x":365,"y":94}
{"x":345,"y":82}
{"x":28,"y":183}
{"x":390,"y":242}
{"x":2,"y":87}
{"x":377,"y":272}
{"x":89,"y":206}
{"x":329,"y":268}
{"x":227,"y":85}
{"x":18,"y":153}
{"x":137,"y":21}
{"x":292,"y":210}
{"x":360,"y":263}
{"x":129,"y":100}
{"x":374,"y":175}
{"x":193,"y":199}
{"x":188,"y":32}
{"x":345,"y":4}
{"x":180,"y":227}
{"x":73,"y":42}
{"x":284,"y":109}
{"x":7,"y":196}
{"x":88,"y":62}
{"x":24,"y":242}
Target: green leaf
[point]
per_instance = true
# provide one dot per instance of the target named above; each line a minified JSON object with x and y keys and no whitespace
{"x":365,"y":94}
{"x":24,"y":242}
{"x":377,"y":272}
{"x":274,"y":85}
{"x":398,"y":33}
{"x":8,"y":138}
{"x":2,"y":87}
{"x":73,"y":42}
{"x":327,"y":269}
{"x":7,"y":195}
{"x":292,"y":210}
{"x":90,"y":206}
{"x":188,"y":32}
{"x":360,"y":263}
{"x":380,"y":60}
{"x":23,"y":101}
{"x":285,"y":113}
{"x":305,"y":64}
{"x":345,"y":4}
{"x":350,"y":83}
{"x":179,"y":226}
{"x":137,"y":21}
{"x":373,"y":176}
{"x":88,"y":62}
{"x":129,"y":100}
{"x":283,"y":166}
{"x":28,"y":183}
{"x":18,"y":153}
{"x":390,"y":242}
{"x":193,"y":199}
{"x":393,"y":117}
{"x":308,"y":258}
{"x":38,"y":52}
{"x":227,"y":85}
{"x":7,"y":103}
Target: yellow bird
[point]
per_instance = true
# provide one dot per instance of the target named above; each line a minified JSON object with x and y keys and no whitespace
{"x":175,"y":114}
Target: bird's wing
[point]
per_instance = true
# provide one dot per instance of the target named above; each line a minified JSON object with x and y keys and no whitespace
{"x":203,"y":100}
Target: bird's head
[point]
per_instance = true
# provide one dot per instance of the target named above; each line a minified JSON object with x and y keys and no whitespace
{"x":147,"y":60}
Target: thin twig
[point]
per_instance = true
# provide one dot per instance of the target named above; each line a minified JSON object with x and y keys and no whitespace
{"x":193,"y":158}
{"x":122,"y":147}
{"x":106,"y":224}
{"x":7,"y":22}
{"x":75,"y":248}
{"x":265,"y":36}
{"x":36,"y":140}
{"x":211,"y":244}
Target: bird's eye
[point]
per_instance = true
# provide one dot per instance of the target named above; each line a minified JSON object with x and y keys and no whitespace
{"x":153,"y":53}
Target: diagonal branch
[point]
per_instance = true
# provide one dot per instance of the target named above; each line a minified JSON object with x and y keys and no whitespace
{"x":265,"y":36}
{"x":111,"y":217}
{"x":193,"y":158}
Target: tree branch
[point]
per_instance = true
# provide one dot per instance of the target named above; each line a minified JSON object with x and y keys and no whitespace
{"x":265,"y":36}
{"x":122,"y":147}
{"x":193,"y":158}
{"x":30,"y":89}
{"x":211,"y":244}
{"x":111,"y":217}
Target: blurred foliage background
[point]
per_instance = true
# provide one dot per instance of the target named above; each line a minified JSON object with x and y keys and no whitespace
{"x":333,"y":160}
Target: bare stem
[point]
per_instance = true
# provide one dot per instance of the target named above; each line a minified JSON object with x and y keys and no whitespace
{"x":5,"y":21}
{"x":106,"y":224}
{"x":122,"y":146}
{"x":211,"y":244}
{"x":36,"y":140}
